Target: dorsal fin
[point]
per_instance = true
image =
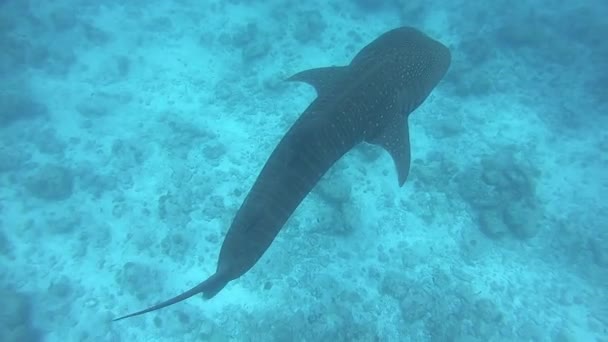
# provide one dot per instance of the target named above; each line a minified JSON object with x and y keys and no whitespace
{"x":322,"y":79}
{"x":395,"y":139}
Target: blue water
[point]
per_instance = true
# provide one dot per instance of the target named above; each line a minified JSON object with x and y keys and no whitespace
{"x":130,"y":132}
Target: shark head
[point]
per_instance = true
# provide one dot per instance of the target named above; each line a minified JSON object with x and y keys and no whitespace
{"x":407,"y":61}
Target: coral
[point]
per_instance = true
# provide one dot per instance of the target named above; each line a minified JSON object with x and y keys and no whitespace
{"x":448,"y":310}
{"x":15,"y":320}
{"x":61,"y":289}
{"x":509,"y":176}
{"x":63,"y":19}
{"x":137,"y":279}
{"x":488,"y":311}
{"x":14,"y":53}
{"x":255,"y":50}
{"x":128,"y":154}
{"x":528,"y":35}
{"x":16,"y":107}
{"x":95,"y":183}
{"x":529,"y":330}
{"x":476,"y":192}
{"x":251,"y":41}
{"x":48,"y":141}
{"x":474,"y":244}
{"x":435,"y":171}
{"x":65,"y":224}
{"x":395,"y":285}
{"x":599,"y":252}
{"x":309,"y":26}
{"x":334,"y":190}
{"x":492,"y":224}
{"x":213,"y":152}
{"x":98,"y":236}
{"x":95,"y":35}
{"x":417,"y":304}
{"x":503,"y":195}
{"x":522,"y":219}
{"x":12,"y":159}
{"x":177,"y":245}
{"x":51,"y":182}
{"x":103,"y":103}
{"x":174,"y":207}
{"x":367,"y":5}
{"x":122,"y":67}
{"x":6,"y":246}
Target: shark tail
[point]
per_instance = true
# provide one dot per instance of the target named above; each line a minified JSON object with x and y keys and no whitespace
{"x":209,"y":288}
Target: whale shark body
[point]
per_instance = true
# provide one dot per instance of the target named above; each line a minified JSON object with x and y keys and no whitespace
{"x":368,"y":100}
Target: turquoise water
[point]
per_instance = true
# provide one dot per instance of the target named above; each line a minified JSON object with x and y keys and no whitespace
{"x":130,"y":132}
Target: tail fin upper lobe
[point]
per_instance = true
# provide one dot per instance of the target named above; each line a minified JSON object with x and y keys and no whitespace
{"x":209,"y":288}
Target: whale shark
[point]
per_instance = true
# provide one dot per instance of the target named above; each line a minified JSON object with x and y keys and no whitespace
{"x":366,"y":101}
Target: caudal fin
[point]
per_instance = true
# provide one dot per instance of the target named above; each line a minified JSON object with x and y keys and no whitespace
{"x":209,"y":288}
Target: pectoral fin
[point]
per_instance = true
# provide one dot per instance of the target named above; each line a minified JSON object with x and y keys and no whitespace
{"x":395,"y":139}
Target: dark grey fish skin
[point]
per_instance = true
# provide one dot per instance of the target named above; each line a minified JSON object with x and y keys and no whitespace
{"x":368,"y":100}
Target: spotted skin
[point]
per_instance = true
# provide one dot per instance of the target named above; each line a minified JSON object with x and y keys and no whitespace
{"x":368,"y":100}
